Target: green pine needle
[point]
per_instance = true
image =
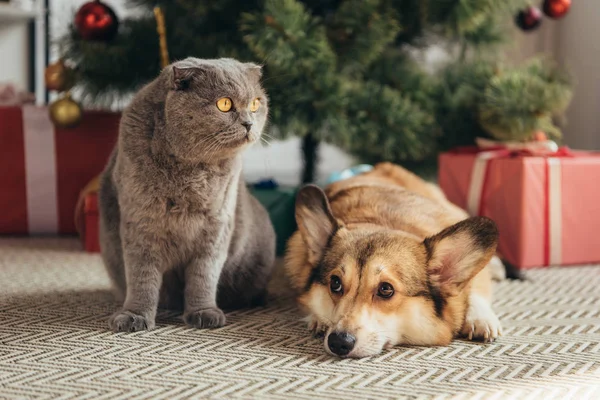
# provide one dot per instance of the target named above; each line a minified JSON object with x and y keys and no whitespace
{"x":344,"y":70}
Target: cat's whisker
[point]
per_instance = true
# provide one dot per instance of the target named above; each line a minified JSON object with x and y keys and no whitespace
{"x":200,"y":143}
{"x":266,"y":58}
{"x":266,"y":137}
{"x":212,"y":150}
{"x":275,"y":76}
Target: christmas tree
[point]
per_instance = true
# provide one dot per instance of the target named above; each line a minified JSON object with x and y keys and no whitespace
{"x":348,"y":72}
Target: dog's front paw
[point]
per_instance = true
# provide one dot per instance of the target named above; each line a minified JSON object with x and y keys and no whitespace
{"x":497,"y":269}
{"x":206,"y":318}
{"x":127,"y":321}
{"x":316,"y":327}
{"x":481,"y":323}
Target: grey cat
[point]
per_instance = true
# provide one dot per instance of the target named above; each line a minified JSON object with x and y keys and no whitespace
{"x":178,"y":226}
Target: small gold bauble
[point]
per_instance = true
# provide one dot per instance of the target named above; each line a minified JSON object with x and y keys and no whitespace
{"x":65,"y":112}
{"x":58,"y":76}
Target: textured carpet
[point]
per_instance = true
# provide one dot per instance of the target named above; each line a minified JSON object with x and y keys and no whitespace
{"x":54,"y":302}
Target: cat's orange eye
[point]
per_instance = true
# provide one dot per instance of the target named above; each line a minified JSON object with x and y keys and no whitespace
{"x":224,"y":104}
{"x":255,"y":104}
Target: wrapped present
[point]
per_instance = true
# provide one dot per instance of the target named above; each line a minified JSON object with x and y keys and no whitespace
{"x":87,"y":216}
{"x":44,"y":168}
{"x":89,"y":226}
{"x":11,"y":96}
{"x":543,"y":199}
{"x":348,"y":173}
{"x":278,"y":201}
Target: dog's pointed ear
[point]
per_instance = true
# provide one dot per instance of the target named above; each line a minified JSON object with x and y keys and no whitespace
{"x":315,"y":221}
{"x":460,"y":252}
{"x":182,"y":77}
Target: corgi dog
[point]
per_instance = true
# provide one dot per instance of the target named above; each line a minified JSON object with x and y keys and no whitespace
{"x":383,"y":258}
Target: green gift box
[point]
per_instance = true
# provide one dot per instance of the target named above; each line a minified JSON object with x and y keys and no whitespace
{"x":280,"y":203}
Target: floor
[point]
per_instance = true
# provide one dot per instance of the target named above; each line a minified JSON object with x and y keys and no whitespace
{"x":55,"y":299}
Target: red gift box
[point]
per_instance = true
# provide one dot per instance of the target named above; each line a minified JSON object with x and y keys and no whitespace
{"x":89,"y":229}
{"x":44,"y":168}
{"x":87,"y":216}
{"x":546,"y":206}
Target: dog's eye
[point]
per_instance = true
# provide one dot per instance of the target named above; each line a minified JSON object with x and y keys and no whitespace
{"x":335,"y":284}
{"x":385,"y":290}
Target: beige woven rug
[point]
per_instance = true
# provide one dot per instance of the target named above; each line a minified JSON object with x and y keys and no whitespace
{"x":54,"y":343}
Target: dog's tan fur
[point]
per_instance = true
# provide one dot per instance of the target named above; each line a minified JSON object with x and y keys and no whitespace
{"x":388,"y":225}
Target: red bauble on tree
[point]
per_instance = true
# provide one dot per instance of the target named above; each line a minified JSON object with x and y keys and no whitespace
{"x":529,"y":19}
{"x":556,"y":8}
{"x":96,"y":21}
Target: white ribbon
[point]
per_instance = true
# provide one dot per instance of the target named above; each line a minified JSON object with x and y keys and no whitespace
{"x":40,"y":170}
{"x":554,"y":199}
{"x":554,"y":210}
{"x":477,"y":180}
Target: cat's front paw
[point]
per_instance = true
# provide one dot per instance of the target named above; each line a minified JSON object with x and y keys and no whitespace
{"x":206,"y":318}
{"x":127,"y":321}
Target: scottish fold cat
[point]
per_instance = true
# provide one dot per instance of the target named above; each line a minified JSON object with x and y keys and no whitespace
{"x":178,"y":226}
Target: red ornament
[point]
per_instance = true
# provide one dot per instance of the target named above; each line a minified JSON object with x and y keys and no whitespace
{"x":529,"y":19}
{"x":96,"y":21}
{"x":556,"y":8}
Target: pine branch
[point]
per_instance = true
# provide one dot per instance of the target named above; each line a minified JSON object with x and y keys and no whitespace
{"x":520,"y":102}
{"x":385,"y":125}
{"x":465,"y":17}
{"x":342,"y":71}
{"x":360,"y":32}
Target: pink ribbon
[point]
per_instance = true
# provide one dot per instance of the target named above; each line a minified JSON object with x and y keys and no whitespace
{"x":40,"y":169}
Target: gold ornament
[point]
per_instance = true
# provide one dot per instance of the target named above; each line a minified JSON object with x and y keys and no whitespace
{"x":162,"y":36}
{"x":65,"y":112}
{"x":58,"y":76}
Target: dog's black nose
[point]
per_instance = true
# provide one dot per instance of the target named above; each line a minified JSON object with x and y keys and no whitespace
{"x":341,"y":343}
{"x":247,"y":125}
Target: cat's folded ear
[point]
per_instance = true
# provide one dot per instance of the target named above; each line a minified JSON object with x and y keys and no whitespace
{"x":254,"y":70}
{"x":181,"y":77}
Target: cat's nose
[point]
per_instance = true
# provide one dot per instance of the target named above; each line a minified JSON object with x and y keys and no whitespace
{"x":247,"y":125}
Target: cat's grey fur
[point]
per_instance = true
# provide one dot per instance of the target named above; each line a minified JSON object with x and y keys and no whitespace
{"x":178,"y":225}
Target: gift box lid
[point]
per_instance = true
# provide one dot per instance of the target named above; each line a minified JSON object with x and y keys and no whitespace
{"x":280,"y":204}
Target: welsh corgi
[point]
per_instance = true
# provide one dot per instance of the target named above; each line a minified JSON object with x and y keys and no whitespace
{"x":383,"y":258}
